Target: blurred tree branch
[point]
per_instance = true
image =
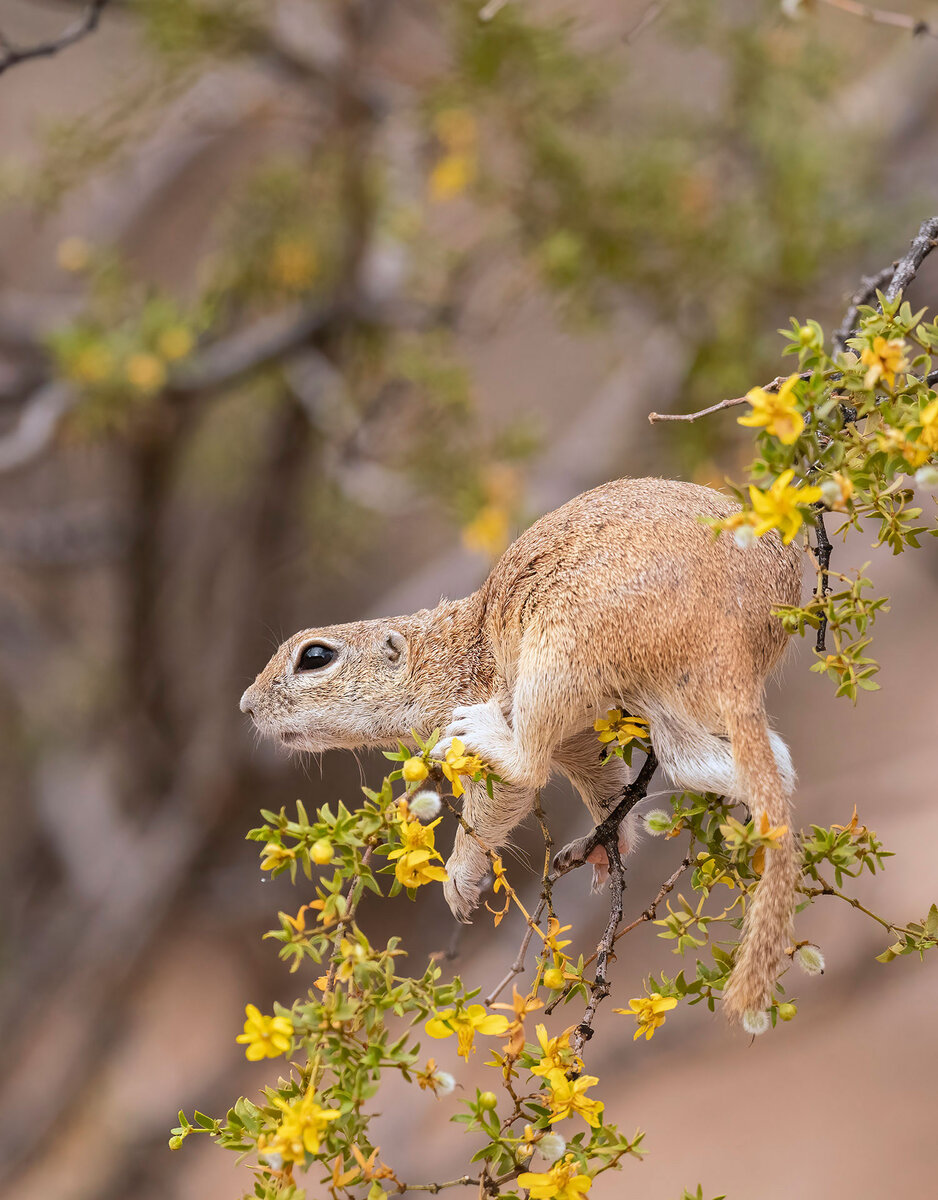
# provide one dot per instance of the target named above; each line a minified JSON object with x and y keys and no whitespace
{"x":87,"y":23}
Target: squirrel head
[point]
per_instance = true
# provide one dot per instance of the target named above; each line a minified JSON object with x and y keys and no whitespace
{"x":340,"y":687}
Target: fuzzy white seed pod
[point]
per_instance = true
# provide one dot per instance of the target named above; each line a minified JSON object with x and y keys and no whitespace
{"x":551,"y":1146}
{"x":745,"y":536}
{"x":926,"y":478}
{"x":274,"y":1161}
{"x":445,"y":1083}
{"x":424,"y":805}
{"x":810,"y":959}
{"x":657,"y":821}
{"x":756,"y":1022}
{"x":793,"y":9}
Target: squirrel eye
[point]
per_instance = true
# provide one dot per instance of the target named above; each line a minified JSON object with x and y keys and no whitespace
{"x":315,"y":656}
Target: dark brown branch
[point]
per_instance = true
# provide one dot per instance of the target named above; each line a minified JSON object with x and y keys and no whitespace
{"x":824,"y":561}
{"x":87,"y":23}
{"x":606,"y":834}
{"x":865,"y":294}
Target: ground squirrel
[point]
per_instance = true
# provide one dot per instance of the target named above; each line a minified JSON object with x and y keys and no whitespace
{"x":620,"y":598}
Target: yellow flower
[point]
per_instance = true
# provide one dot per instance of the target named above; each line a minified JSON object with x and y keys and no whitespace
{"x":92,"y":364}
{"x":616,"y":727}
{"x":417,"y":854}
{"x":294,"y":263}
{"x":561,"y":1182}
{"x":487,"y":532}
{"x":554,"y":930}
{"x":929,"y":423}
{"x":300,"y":1130}
{"x":710,"y":874}
{"x":73,"y":254}
{"x":452,"y":175}
{"x":776,"y":411}
{"x":556,"y":1053}
{"x":265,"y":1037}
{"x":568,"y":1096}
{"x":275,"y":855}
{"x":884,"y":359}
{"x":145,"y":372}
{"x":466,"y":1024}
{"x":457,"y":762}
{"x":894,"y":441}
{"x":649,"y":1011}
{"x":175,"y":343}
{"x":778,"y":508}
{"x":414,"y":770}
{"x":352,"y":954}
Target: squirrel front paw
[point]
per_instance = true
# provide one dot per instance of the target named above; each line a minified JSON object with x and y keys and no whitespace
{"x":481,"y":728}
{"x":461,"y":891}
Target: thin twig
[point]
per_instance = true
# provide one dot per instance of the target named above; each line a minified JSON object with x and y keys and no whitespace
{"x":864,"y":294}
{"x":885,"y":16}
{"x":732,"y":403}
{"x":462,"y":1181}
{"x":86,"y":23}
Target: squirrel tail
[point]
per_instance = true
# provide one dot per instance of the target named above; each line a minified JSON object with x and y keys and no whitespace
{"x":768,"y":923}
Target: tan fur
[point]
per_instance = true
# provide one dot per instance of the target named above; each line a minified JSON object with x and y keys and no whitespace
{"x":622,"y":597}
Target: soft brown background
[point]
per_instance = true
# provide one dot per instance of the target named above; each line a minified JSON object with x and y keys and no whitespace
{"x":122,"y":996}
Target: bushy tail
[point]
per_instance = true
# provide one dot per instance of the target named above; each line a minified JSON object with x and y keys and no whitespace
{"x":768,"y":923}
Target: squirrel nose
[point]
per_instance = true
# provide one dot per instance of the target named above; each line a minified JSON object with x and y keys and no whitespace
{"x":247,"y":702}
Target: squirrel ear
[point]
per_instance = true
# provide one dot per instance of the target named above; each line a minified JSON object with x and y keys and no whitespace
{"x":394,"y":646}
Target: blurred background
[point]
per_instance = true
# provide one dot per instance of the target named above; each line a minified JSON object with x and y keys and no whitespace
{"x":306,"y":307}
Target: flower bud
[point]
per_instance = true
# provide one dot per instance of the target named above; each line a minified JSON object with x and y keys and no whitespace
{"x":756,"y":1022}
{"x":488,"y":1101}
{"x":926,"y":478}
{"x":810,"y":959}
{"x":321,"y":852}
{"x":424,"y":805}
{"x":414,"y":770}
{"x":551,"y":1146}
{"x":175,"y":1142}
{"x":657,"y":821}
{"x":787,"y":1012}
{"x":553,"y":978}
{"x":445,"y":1083}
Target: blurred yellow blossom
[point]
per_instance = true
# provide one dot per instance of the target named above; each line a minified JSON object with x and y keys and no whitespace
{"x":649,"y":1011}
{"x":300,"y":1130}
{"x":145,"y":372}
{"x":175,"y":343}
{"x":73,"y":254}
{"x":487,"y":532}
{"x":776,"y":411}
{"x":265,"y":1037}
{"x":452,"y":175}
{"x":778,"y":507}
{"x":92,"y":364}
{"x":929,"y":423}
{"x":885,"y":358}
{"x":294,"y":262}
{"x":466,"y":1024}
{"x":562,"y":1182}
{"x":456,"y":128}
